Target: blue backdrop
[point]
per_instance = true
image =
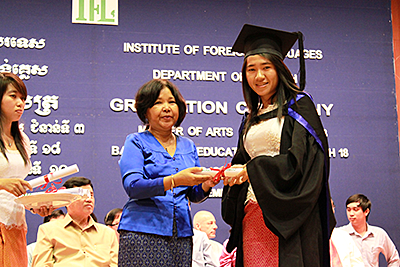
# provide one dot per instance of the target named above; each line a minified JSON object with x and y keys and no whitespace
{"x":82,"y":79}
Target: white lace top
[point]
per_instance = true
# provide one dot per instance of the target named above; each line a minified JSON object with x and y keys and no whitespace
{"x":11,"y":213}
{"x":263,"y":138}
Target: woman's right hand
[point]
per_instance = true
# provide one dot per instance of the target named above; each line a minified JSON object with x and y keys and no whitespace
{"x":240,"y":178}
{"x":15,"y":186}
{"x":191,"y":176}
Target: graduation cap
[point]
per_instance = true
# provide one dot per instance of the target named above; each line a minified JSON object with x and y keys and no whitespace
{"x":254,"y":40}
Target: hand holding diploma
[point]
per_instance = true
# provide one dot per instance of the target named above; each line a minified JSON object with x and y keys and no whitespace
{"x":15,"y":186}
{"x":239,"y":176}
{"x":46,"y":207}
{"x":43,"y":210}
{"x":235,"y":174}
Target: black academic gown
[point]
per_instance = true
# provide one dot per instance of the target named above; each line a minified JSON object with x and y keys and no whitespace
{"x":292,"y":191}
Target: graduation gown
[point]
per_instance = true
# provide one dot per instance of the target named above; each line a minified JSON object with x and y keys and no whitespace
{"x":291,"y":189}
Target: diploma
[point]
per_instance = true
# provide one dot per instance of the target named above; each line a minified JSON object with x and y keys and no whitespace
{"x":232,"y":171}
{"x":76,"y":191}
{"x":54,"y":176}
{"x":60,"y":198}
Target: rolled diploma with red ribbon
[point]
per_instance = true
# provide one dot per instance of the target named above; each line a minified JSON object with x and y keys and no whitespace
{"x":54,"y":176}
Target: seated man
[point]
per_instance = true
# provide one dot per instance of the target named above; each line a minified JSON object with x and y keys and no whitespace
{"x":55,"y":215}
{"x":76,"y":240}
{"x":204,"y":221}
{"x":370,"y":240}
{"x":203,"y":255}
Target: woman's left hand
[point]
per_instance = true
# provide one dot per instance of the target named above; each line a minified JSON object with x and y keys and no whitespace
{"x":43,"y":210}
{"x":210,"y":183}
{"x":207,"y":185}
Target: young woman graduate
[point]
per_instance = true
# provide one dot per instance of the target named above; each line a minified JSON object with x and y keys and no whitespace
{"x":279,"y":206}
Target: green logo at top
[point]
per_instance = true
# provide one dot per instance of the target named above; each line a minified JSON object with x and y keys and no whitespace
{"x":103,"y":12}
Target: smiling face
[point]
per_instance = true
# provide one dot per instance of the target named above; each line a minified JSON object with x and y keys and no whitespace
{"x":357,"y":217}
{"x":262,"y":77}
{"x":163,"y":115}
{"x":12,"y":104}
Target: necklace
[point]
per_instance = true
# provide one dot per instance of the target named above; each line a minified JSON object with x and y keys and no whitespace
{"x":9,"y":142}
{"x":169,"y":143}
{"x":165,"y":144}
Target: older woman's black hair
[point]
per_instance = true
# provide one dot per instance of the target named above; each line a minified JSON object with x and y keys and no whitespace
{"x":148,"y":94}
{"x":285,"y":90}
{"x":6,"y":79}
{"x":109,"y":218}
{"x":365,"y":203}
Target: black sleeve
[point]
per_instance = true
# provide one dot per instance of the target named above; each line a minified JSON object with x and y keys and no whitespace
{"x":232,"y":204}
{"x":229,"y":204}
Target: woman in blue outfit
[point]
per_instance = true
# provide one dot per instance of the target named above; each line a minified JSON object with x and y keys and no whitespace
{"x":160,"y":174}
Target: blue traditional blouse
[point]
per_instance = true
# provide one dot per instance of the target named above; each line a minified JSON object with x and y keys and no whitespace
{"x":144,"y":164}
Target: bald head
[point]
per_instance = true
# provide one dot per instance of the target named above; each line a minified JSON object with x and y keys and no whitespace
{"x":205,"y":221}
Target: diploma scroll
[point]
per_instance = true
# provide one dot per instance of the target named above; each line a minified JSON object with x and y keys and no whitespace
{"x":54,"y":176}
{"x":225,"y":171}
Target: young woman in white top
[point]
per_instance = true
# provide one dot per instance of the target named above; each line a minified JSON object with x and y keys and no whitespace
{"x":15,"y":165}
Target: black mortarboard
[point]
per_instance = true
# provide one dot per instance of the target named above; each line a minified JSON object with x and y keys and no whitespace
{"x":254,"y":40}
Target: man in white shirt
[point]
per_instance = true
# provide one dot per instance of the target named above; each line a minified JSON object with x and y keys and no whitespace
{"x":203,"y":251}
{"x":204,"y":221}
{"x":370,"y":240}
{"x":344,"y":252}
{"x":349,"y":254}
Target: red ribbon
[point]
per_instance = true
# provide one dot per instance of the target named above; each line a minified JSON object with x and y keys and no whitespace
{"x":220,"y":172}
{"x":52,"y":188}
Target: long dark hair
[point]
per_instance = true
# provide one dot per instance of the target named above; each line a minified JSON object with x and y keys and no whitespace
{"x":285,"y":90}
{"x":7,"y":78}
